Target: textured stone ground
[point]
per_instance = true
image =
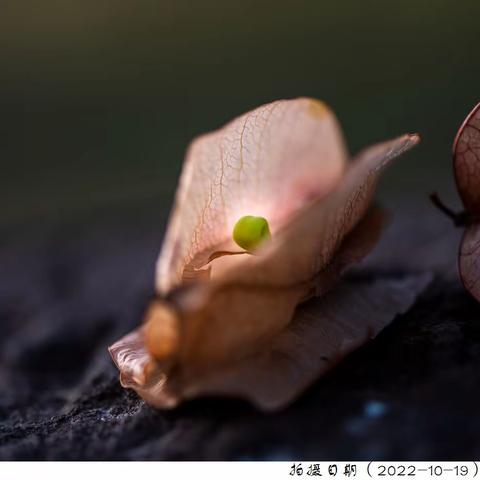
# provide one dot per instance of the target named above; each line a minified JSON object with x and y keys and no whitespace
{"x":67,"y":293}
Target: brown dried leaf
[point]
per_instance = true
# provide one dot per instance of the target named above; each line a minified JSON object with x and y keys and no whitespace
{"x":466,"y":161}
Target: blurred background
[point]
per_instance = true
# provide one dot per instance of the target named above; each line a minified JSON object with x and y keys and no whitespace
{"x":99,"y":99}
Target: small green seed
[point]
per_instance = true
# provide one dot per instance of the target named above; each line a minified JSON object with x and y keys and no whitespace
{"x":249,"y":232}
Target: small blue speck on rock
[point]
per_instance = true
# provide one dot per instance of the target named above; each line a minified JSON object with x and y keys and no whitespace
{"x":375,"y":409}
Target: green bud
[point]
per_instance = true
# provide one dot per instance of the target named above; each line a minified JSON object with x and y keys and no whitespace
{"x":249,"y":232}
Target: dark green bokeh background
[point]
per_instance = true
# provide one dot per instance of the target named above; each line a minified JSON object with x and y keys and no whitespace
{"x":99,"y":99}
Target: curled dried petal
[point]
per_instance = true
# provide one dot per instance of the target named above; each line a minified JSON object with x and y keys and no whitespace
{"x":269,"y":162}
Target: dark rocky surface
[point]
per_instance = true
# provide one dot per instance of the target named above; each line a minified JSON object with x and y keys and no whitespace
{"x":67,"y":293}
